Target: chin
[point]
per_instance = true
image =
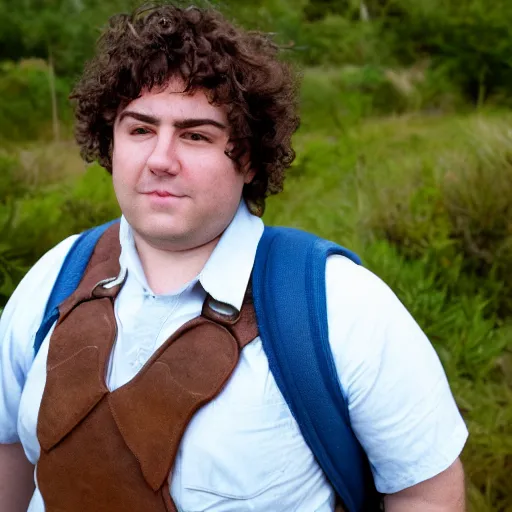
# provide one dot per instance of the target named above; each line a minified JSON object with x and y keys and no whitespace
{"x":162,"y":235}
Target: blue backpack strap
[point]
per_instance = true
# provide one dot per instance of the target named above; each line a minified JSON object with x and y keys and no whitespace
{"x":69,"y":278}
{"x":290,"y":301}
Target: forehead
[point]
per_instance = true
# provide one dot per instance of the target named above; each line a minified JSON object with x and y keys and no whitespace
{"x":170,"y":101}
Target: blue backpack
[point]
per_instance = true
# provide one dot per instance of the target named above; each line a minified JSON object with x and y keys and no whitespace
{"x":288,"y":286}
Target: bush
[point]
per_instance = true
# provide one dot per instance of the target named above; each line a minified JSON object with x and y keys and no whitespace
{"x":338,"y":41}
{"x":469,"y":40}
{"x":452,"y":206}
{"x":478,"y":200}
{"x":25,"y":102}
{"x":12,"y":184}
{"x":334,"y":99}
{"x":12,"y":267}
{"x":38,"y":221}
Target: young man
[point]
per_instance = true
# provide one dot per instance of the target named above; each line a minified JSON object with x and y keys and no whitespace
{"x":194,"y":119}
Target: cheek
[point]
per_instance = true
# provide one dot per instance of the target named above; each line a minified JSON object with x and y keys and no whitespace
{"x":221,"y":182}
{"x":118,"y":175}
{"x":125,"y":167}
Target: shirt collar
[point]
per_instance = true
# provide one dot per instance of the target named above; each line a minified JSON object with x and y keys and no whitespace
{"x":226,"y":273}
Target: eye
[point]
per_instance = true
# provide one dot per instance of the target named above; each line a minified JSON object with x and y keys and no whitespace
{"x":196,"y":137}
{"x":139,"y":131}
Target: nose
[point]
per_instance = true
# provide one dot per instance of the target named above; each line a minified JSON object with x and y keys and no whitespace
{"x":164,"y":158}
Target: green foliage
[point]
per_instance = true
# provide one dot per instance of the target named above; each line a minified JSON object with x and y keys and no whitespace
{"x":12,"y":265}
{"x":43,"y":220}
{"x":317,"y":9}
{"x":469,"y":40}
{"x":477,"y":200}
{"x":65,"y":30}
{"x":453,"y":201}
{"x":32,"y":220}
{"x":12,"y":187}
{"x":333,"y":99}
{"x":25,"y":102}
{"x":337,"y":41}
{"x":11,"y":35}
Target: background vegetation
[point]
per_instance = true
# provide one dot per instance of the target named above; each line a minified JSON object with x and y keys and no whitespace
{"x":404,"y":154}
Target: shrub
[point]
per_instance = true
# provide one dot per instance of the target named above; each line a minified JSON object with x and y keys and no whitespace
{"x":451,"y":206}
{"x":12,"y":265}
{"x":12,"y":184}
{"x":25,"y":102}
{"x":338,"y":41}
{"x":12,"y":187}
{"x":469,"y":40}
{"x":334,"y":99}
{"x":44,"y":219}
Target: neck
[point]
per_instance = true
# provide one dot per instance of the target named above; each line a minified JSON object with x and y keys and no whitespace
{"x":167,"y":270}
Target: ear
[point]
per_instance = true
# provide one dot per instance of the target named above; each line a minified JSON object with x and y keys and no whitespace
{"x":249,"y":175}
{"x":246,"y":168}
{"x":246,"y":164}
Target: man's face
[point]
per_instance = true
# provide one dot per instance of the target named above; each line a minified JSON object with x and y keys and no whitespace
{"x":173,"y":181}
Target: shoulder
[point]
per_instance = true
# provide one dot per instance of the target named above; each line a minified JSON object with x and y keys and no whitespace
{"x":343,"y":277}
{"x":18,"y":325}
{"x":362,"y":311}
{"x":25,"y":309}
{"x":369,"y":325}
{"x":42,"y":274}
{"x":367,"y":322}
{"x":357,"y":297}
{"x":400,"y":404}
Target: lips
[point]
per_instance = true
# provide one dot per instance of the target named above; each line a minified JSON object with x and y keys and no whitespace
{"x":161,"y":193}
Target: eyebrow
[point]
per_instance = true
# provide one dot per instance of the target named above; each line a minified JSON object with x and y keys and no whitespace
{"x":180,"y":124}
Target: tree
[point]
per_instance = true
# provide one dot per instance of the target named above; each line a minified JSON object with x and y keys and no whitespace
{"x":63,"y":32}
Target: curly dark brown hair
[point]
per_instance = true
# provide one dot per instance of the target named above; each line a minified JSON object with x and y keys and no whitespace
{"x":238,"y":69}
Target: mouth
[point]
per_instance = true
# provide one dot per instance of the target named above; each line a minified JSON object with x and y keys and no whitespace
{"x":161,"y":193}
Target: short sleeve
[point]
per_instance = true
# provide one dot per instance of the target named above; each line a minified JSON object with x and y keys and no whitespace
{"x":400,"y":404}
{"x":19,"y":323}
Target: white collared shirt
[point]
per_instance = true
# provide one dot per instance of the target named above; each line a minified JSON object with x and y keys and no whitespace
{"x":244,"y":451}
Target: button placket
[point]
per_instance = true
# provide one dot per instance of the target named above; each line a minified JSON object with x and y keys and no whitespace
{"x":152,"y":318}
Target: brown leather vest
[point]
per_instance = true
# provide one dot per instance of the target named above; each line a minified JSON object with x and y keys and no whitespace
{"x":105,"y":451}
